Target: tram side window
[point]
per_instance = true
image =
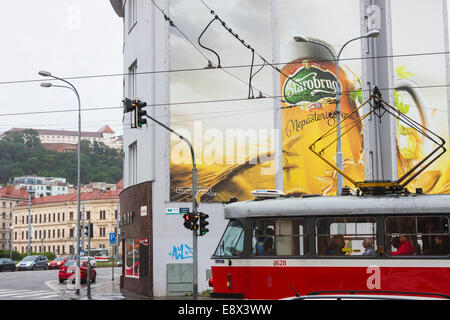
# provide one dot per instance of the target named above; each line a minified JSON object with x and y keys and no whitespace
{"x":346,"y":236}
{"x":232,"y":242}
{"x":281,"y":237}
{"x":417,"y":235}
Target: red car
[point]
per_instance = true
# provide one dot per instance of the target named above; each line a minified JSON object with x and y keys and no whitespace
{"x":58,"y":262}
{"x":67,"y":271}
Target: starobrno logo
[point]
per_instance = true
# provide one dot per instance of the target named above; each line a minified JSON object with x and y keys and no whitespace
{"x":309,"y":84}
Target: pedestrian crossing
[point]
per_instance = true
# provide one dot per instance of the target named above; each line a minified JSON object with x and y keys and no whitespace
{"x":10,"y":294}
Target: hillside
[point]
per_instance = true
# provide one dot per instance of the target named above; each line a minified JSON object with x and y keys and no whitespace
{"x":21,"y":153}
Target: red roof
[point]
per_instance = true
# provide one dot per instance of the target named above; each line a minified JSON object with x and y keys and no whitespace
{"x":11,"y":192}
{"x":106,"y":129}
{"x":61,"y":132}
{"x":119,"y":184}
{"x":94,"y":195}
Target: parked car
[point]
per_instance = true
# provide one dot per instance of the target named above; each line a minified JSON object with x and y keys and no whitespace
{"x":58,"y":262}
{"x":33,"y":262}
{"x":91,"y":260}
{"x":67,"y":271}
{"x":7,"y":264}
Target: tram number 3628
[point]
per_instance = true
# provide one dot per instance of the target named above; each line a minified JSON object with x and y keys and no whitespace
{"x":279,"y":263}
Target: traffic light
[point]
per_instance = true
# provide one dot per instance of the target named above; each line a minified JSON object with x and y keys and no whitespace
{"x":187,"y":221}
{"x":190,"y":221}
{"x":89,"y":232}
{"x":203,"y":223}
{"x":128,"y":105}
{"x":140,"y":120}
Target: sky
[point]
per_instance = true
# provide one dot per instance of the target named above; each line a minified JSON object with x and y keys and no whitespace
{"x":69,"y":38}
{"x":73,"y":38}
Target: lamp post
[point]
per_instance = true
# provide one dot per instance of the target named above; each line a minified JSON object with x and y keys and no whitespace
{"x":72,"y":87}
{"x":339,"y":161}
{"x":29,"y":222}
{"x":73,"y":238}
{"x":11,"y":228}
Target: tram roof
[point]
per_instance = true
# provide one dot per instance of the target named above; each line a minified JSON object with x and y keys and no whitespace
{"x":343,"y":205}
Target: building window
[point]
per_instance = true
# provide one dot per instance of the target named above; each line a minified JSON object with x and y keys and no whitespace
{"x":70,"y":215}
{"x":132,"y":258}
{"x":88,"y":215}
{"x":132,"y":164}
{"x":102,"y":214}
{"x":102,"y":232}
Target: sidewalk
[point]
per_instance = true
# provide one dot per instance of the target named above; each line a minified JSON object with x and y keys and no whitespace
{"x":108,"y":290}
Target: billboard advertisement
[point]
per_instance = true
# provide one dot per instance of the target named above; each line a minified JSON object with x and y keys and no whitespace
{"x":227,"y":112}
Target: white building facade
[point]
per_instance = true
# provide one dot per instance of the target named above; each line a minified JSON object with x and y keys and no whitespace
{"x":147,"y":165}
{"x":42,"y":186}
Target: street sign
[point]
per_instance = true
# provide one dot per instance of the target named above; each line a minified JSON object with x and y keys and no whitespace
{"x":112,"y":238}
{"x":177,"y":210}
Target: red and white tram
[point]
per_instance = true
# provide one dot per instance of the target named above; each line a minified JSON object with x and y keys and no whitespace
{"x":276,"y":248}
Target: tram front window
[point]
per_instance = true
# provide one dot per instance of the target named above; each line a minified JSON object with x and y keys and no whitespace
{"x":232,"y":242}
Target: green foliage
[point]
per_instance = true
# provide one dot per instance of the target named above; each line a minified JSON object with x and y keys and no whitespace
{"x":21,"y":153}
{"x":16,"y":256}
{"x":50,"y":255}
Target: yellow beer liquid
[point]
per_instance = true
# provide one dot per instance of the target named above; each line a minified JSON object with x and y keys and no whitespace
{"x":305,"y":122}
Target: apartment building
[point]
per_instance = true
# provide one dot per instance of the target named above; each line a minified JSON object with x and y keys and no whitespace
{"x":53,"y":221}
{"x":65,"y":138}
{"x":9,"y":198}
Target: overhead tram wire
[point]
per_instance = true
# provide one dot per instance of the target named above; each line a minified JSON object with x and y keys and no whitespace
{"x":171,"y":23}
{"x":205,"y":102}
{"x":8,"y":82}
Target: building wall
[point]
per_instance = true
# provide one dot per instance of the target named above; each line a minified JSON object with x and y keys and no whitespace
{"x":137,"y":225}
{"x":6,"y":214}
{"x":146,"y":45}
{"x":56,"y":220}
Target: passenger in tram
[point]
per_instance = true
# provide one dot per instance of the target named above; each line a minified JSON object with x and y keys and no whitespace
{"x":337,"y":244}
{"x":406,"y":248}
{"x":440,"y":245}
{"x":368,"y":246}
{"x":264,"y":245}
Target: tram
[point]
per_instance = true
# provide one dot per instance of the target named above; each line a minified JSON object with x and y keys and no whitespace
{"x":278,"y":247}
{"x":381,"y":238}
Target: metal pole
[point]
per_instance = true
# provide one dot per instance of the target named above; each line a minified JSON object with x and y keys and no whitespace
{"x":339,"y":164}
{"x":339,"y":160}
{"x":117,"y":231}
{"x":194,"y":206}
{"x":10,"y":242}
{"x":88,"y":262}
{"x":73,"y":240}
{"x":72,"y":87}
{"x":82,"y":227}
{"x":29,"y":224}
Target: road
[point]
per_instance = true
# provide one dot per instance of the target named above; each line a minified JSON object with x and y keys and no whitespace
{"x":42,"y":284}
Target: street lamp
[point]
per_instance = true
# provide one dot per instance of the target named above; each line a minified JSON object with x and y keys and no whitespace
{"x":72,"y":87}
{"x":339,"y":161}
